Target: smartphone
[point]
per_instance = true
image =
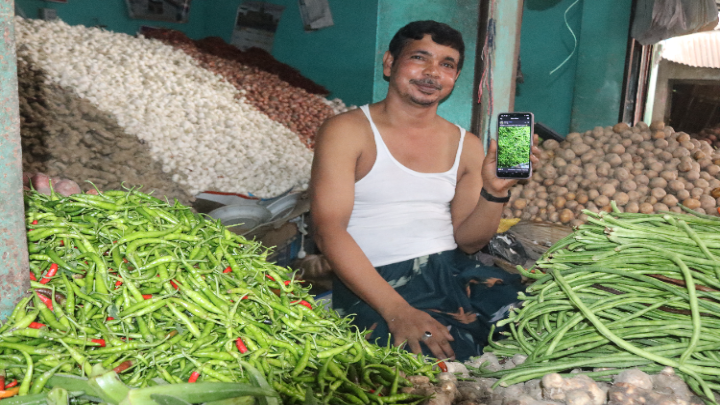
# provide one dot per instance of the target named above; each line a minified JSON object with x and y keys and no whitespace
{"x":514,"y":145}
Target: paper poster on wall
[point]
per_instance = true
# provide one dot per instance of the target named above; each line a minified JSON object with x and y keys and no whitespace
{"x":176,"y":11}
{"x":315,"y":14}
{"x":255,"y":25}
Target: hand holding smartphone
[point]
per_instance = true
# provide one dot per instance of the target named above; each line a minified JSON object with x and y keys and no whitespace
{"x":514,"y":145}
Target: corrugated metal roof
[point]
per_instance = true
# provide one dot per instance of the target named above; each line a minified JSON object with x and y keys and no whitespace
{"x":701,"y":49}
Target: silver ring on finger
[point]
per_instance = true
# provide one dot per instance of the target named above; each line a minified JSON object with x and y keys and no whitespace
{"x":427,"y":335}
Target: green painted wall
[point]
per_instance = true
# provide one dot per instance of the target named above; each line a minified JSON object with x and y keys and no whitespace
{"x":601,"y":64}
{"x":586,"y":91}
{"x":113,"y":14}
{"x":339,"y":57}
{"x":459,"y":14}
{"x":545,"y":42}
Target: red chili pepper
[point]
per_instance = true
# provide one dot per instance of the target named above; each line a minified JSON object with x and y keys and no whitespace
{"x":32,"y":276}
{"x":228,"y":270}
{"x":240,"y":345}
{"x":123,"y":366}
{"x":45,"y":300}
{"x":270,"y":277}
{"x":35,"y":222}
{"x":11,"y":384}
{"x":303,"y":302}
{"x":36,"y":325}
{"x":193,"y":377}
{"x":287,"y":282}
{"x":175,"y":286}
{"x":147,"y":296}
{"x":118,"y":283}
{"x":101,"y":341}
{"x":110,"y":318}
{"x":125,"y":260}
{"x":442,"y":366}
{"x":50,"y":273}
{"x":2,"y":380}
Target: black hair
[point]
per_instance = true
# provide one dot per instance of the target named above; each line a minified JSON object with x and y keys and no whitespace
{"x":441,"y":34}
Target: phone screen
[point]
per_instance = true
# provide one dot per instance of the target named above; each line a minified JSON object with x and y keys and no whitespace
{"x":514,"y":145}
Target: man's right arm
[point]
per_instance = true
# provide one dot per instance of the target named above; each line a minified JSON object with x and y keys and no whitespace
{"x":338,"y":147}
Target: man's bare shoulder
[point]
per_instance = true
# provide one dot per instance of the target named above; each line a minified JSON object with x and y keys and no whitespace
{"x":346,"y":124}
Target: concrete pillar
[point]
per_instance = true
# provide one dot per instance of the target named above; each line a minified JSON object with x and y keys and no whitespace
{"x":14,"y":279}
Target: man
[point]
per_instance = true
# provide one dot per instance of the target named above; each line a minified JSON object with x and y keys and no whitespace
{"x":396,"y":204}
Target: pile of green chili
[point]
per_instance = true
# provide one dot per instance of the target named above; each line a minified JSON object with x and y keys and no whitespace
{"x":127,"y":282}
{"x":624,"y":290}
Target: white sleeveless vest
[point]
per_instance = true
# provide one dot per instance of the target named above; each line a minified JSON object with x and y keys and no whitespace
{"x":401,"y":214}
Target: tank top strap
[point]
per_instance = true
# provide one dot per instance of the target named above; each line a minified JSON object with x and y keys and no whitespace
{"x":459,"y":149}
{"x":379,"y":143}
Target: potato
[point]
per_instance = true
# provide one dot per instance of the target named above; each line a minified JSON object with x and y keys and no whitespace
{"x":574,"y":137}
{"x":614,"y":159}
{"x":621,"y":174}
{"x":67,"y":187}
{"x":562,"y":180}
{"x":41,"y":183}
{"x":566,"y":216}
{"x":707,"y":203}
{"x":646,"y":208}
{"x":629,"y":185}
{"x":621,"y":198}
{"x":661,"y":143}
{"x":559,"y":202}
{"x":621,"y":127}
{"x":660,"y":207}
{"x":692,"y":175}
{"x":550,"y":144}
{"x":607,"y":190}
{"x":632,"y":207}
{"x":658,"y":193}
{"x":682,"y":194}
{"x":657,"y":125}
{"x":559,"y":162}
{"x":571,"y":170}
{"x":602,"y":200}
{"x":691,"y":203}
{"x":548,"y":172}
{"x":713,"y":169}
{"x":669,"y":175}
{"x":528,"y":193}
{"x":696,"y":193}
{"x":682,"y":137}
{"x":566,"y":154}
{"x":665,"y":156}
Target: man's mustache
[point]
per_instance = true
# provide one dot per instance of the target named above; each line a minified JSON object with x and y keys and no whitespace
{"x":427,"y":82}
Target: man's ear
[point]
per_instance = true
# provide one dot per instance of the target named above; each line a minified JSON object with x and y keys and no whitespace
{"x":387,"y":63}
{"x":457,"y":75}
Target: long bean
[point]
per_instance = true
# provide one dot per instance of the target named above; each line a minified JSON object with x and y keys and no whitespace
{"x":624,"y":290}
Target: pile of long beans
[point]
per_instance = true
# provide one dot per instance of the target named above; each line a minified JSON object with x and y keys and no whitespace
{"x":124,"y":281}
{"x":624,"y":290}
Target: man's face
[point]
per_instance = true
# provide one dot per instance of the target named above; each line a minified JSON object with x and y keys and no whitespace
{"x":424,"y":73}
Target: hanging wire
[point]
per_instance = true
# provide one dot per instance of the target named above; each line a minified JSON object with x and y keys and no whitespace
{"x":573,"y":35}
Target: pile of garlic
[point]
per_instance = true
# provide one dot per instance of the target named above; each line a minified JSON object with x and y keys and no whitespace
{"x":189,"y":117}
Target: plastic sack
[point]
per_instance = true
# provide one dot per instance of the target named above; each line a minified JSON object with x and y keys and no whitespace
{"x":507,"y":247}
{"x":656,"y":20}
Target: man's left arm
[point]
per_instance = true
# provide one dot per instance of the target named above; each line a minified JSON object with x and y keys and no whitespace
{"x":475,"y":219}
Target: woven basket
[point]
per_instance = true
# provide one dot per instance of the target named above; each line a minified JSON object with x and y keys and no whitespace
{"x":538,"y":237}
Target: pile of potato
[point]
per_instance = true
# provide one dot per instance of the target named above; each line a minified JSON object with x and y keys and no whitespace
{"x":644,"y":169}
{"x":64,"y":135}
{"x":711,"y":135}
